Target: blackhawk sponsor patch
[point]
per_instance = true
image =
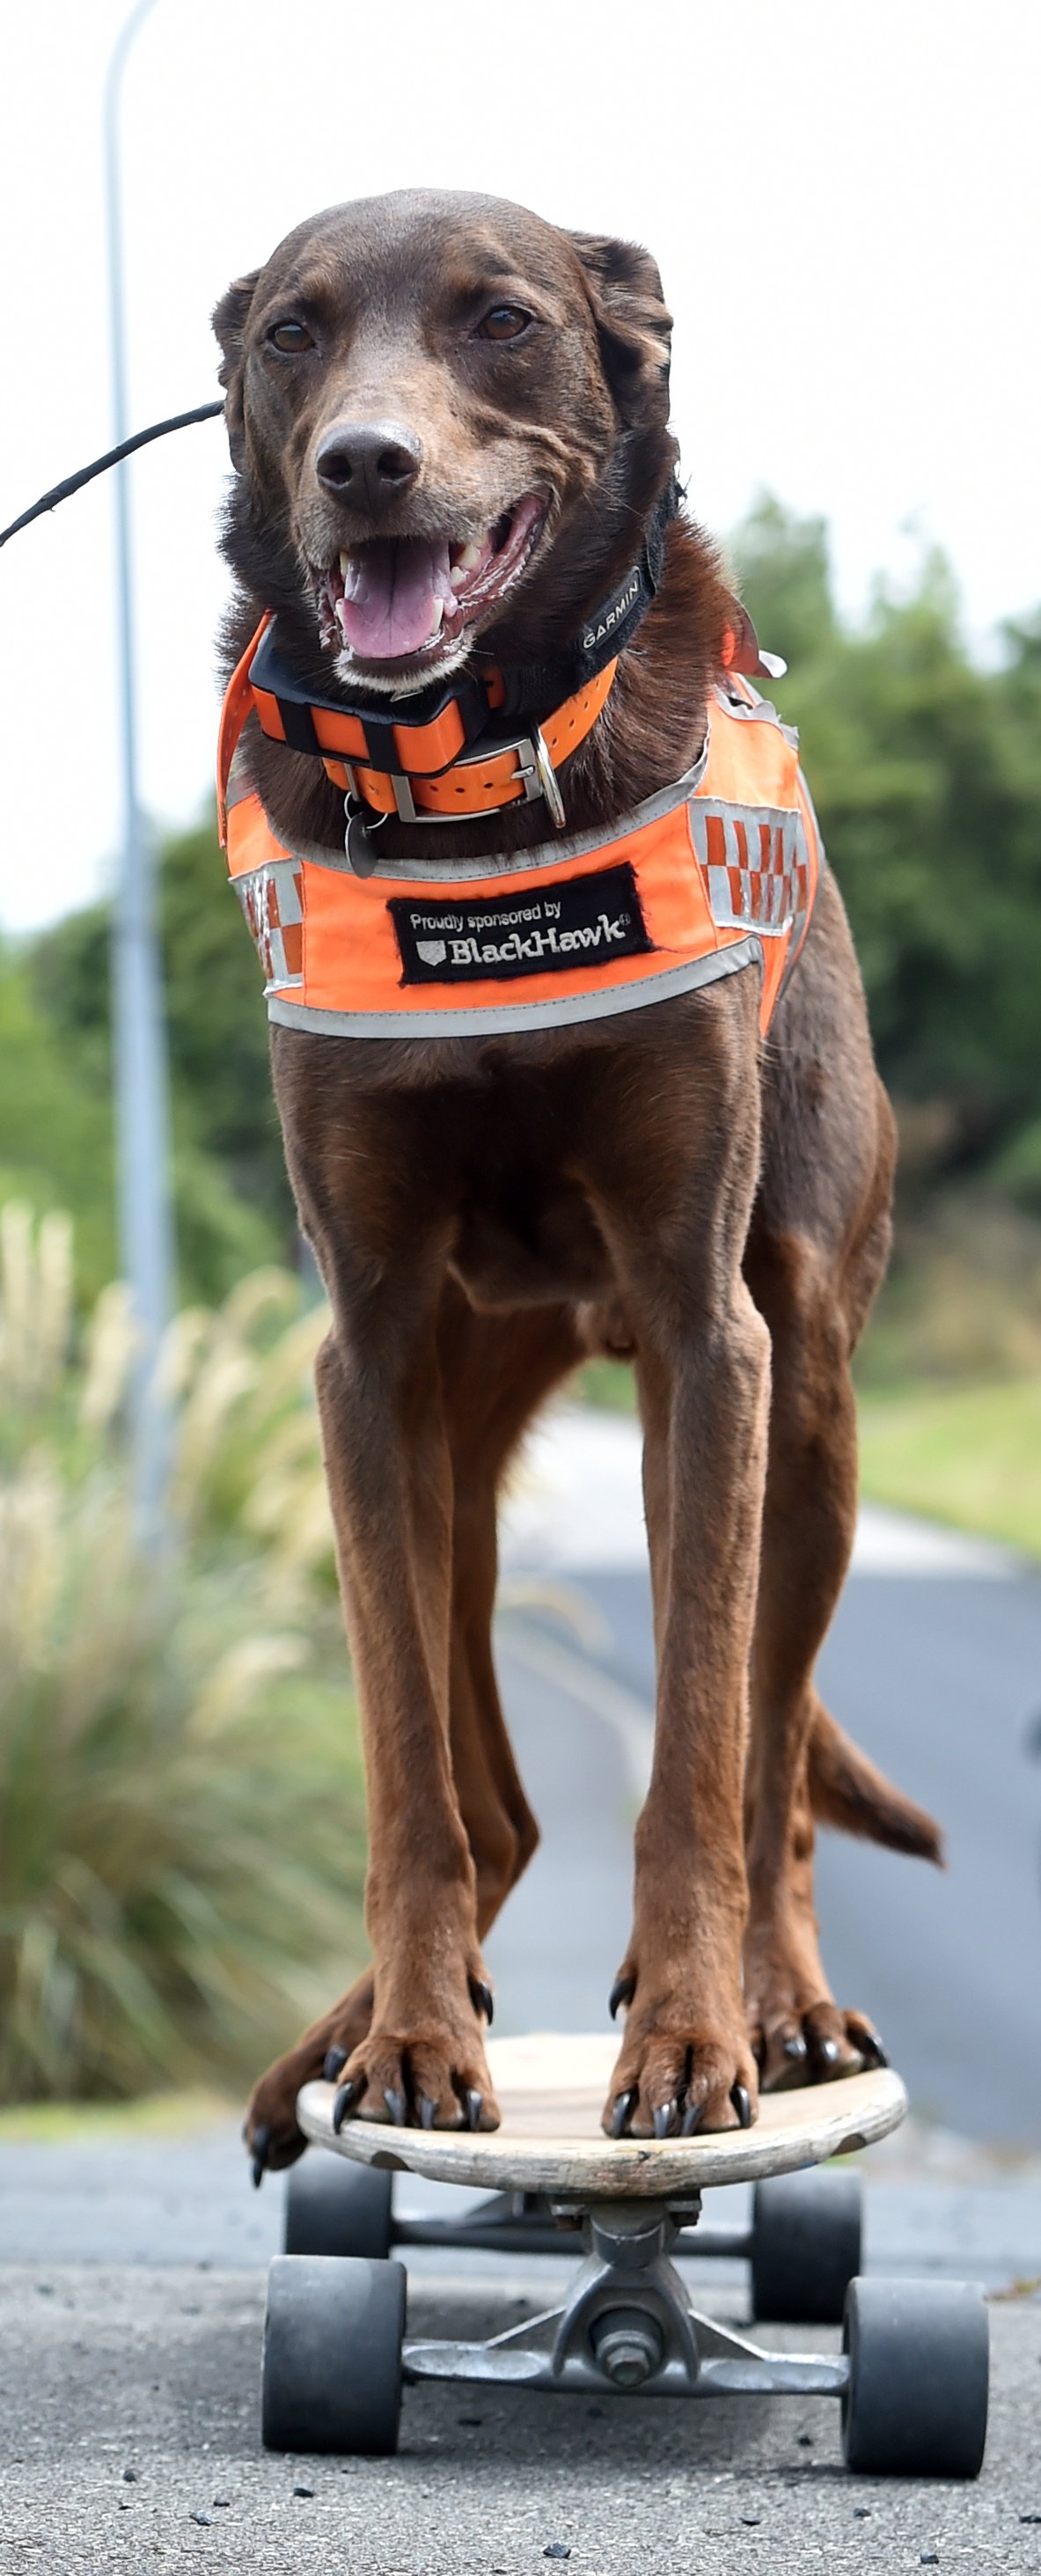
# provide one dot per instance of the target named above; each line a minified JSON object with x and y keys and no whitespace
{"x":582,"y":921}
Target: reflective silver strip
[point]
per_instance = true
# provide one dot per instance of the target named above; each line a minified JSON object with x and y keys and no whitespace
{"x":500,"y":1019}
{"x":545,"y":854}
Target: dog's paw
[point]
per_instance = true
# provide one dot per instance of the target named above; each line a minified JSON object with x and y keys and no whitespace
{"x":428,"y":2077}
{"x":679,"y":2075}
{"x":273,"y":2138}
{"x":271,"y":2132}
{"x":812,"y":2043}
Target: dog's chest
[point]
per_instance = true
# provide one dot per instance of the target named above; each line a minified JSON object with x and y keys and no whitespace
{"x":526,"y":1235}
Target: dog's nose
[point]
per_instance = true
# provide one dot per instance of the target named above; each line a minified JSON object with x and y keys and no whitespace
{"x":368,"y":462}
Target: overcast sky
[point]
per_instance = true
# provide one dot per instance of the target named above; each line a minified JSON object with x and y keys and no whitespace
{"x":843,"y":201}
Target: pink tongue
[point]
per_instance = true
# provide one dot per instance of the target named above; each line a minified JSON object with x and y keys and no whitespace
{"x":391,"y":595}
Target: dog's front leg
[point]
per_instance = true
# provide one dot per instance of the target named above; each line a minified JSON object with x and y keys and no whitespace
{"x":703,"y":1373}
{"x":388,"y":1463}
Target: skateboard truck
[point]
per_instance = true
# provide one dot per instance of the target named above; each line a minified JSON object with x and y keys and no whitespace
{"x":627,"y":2324}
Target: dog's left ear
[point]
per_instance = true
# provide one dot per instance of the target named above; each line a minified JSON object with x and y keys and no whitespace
{"x":742,"y":650}
{"x":632,"y":320}
{"x":229,"y":322}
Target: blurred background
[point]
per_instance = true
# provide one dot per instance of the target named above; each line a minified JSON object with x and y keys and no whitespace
{"x":844,"y":210}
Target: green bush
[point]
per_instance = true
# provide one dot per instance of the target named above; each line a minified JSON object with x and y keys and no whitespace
{"x":181,"y":1839}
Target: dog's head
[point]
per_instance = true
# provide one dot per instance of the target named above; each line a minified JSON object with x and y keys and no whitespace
{"x":428,"y":397}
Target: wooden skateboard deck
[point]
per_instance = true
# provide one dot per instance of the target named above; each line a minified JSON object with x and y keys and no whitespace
{"x":551,"y":2087}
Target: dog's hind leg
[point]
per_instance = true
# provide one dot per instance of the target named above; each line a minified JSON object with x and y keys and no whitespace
{"x":496,"y":1371}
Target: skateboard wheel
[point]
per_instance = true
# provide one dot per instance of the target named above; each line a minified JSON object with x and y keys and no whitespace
{"x":333,"y":2337}
{"x":805,"y":2246}
{"x":916,"y":2405}
{"x":333,"y":2207}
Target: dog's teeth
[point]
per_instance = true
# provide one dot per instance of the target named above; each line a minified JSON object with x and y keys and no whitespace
{"x":345,"y":565}
{"x":469,"y":559}
{"x":439,"y":610}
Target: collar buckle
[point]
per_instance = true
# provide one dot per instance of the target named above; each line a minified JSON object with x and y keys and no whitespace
{"x":534,"y":770}
{"x":548,"y":782}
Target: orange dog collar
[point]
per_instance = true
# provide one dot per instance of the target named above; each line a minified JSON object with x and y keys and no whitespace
{"x":422,"y":771}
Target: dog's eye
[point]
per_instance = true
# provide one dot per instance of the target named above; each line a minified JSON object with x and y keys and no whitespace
{"x":290,"y":337}
{"x":504,"y":322}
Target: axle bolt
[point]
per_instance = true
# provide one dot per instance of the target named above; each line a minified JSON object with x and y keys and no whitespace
{"x":628,"y":2345}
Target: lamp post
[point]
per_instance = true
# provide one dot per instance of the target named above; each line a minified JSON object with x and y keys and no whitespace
{"x":142,"y":1114}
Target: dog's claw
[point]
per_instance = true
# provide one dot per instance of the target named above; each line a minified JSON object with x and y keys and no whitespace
{"x":827,"y":2052}
{"x":741,"y":2100}
{"x":335,"y":2061}
{"x":427,"y":2111}
{"x":871,"y":2049}
{"x":474,"y":2105}
{"x":260,"y":2150}
{"x":795,"y":2046}
{"x":624,"y":2107}
{"x":345,"y":2101}
{"x":397,"y":2108}
{"x":622,"y":1992}
{"x":692,"y":2119}
{"x":663,"y":2118}
{"x":482,"y":1998}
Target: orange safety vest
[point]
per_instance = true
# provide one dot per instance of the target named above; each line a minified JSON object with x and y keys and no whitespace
{"x":714,"y":873}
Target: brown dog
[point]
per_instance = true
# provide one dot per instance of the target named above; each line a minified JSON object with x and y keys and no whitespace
{"x":420,"y":386}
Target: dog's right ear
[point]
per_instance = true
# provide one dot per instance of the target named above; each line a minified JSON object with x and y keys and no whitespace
{"x":229,"y":323}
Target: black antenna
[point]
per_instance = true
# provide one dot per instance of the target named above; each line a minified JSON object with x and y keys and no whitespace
{"x":75,"y":482}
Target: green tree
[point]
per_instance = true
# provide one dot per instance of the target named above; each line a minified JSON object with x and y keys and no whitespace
{"x":926,"y":772}
{"x":232,"y":1201}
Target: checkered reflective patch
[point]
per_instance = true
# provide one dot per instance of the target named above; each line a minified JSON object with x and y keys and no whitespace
{"x":756,"y":864}
{"x":272,"y":903}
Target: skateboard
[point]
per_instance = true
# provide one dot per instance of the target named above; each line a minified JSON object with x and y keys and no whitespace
{"x":911,"y":2376}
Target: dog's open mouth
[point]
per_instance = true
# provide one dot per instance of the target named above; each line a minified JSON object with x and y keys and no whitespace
{"x":395,"y":598}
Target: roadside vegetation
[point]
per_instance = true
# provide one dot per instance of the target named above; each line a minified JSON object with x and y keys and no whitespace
{"x":181,"y":1840}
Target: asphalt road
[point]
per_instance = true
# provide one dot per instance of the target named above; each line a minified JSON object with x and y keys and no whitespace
{"x":129,"y":2411}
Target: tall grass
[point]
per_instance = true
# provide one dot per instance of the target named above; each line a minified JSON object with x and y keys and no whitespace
{"x":181,"y":1842}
